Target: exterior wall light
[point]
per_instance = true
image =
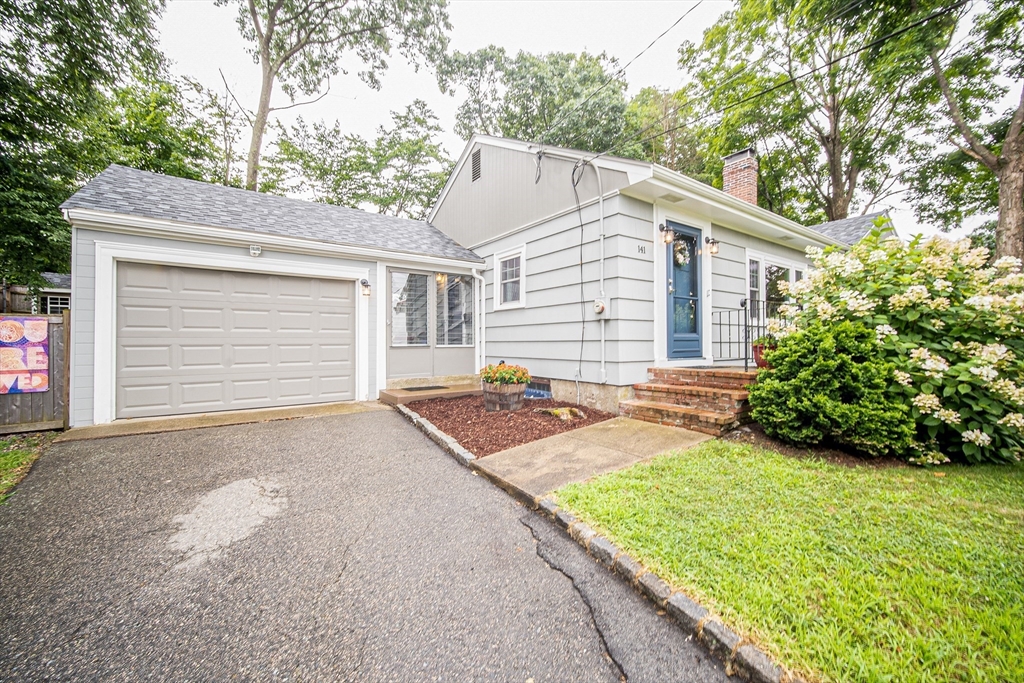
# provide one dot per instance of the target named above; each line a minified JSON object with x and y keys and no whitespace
{"x":365,"y":284}
{"x":668,"y":235}
{"x":712,"y":245}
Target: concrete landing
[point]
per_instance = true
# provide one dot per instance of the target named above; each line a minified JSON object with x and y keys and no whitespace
{"x":398,"y":397}
{"x":537,"y":468}
{"x":153,"y":425}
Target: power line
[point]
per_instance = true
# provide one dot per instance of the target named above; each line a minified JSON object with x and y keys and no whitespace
{"x":788,"y":81}
{"x":834,"y":14}
{"x":611,"y":78}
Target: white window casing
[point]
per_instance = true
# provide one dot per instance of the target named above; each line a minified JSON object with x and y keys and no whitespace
{"x":510,"y":279}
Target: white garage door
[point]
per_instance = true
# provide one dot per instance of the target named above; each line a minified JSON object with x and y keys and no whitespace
{"x":194,"y":341}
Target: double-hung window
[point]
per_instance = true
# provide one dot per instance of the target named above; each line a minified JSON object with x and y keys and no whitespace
{"x":509,"y":278}
{"x":454,"y":310}
{"x":409,"y":309}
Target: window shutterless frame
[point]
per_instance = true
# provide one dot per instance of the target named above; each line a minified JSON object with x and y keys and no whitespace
{"x":510,"y":279}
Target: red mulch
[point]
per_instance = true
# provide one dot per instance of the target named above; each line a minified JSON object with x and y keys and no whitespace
{"x":753,"y":434}
{"x":482,"y":433}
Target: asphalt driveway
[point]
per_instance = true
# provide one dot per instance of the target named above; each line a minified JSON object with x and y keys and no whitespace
{"x":346,"y":547}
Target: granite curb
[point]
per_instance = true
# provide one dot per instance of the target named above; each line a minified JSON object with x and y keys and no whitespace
{"x":741,"y":658}
{"x":447,"y":443}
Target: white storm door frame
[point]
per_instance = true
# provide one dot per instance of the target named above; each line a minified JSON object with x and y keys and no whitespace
{"x":105,"y":312}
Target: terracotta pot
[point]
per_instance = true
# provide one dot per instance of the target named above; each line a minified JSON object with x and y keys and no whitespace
{"x":759,"y":355}
{"x":503,"y":396}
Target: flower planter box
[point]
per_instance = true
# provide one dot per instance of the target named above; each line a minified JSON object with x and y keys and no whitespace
{"x":503,"y":396}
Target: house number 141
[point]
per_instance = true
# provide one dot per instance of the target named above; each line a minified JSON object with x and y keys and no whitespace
{"x":641,"y":248}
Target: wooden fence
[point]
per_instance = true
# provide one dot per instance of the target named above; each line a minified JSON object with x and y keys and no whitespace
{"x":45,"y":409}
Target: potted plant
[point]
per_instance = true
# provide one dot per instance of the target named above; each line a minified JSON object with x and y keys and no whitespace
{"x":504,"y":386}
{"x":759,"y":346}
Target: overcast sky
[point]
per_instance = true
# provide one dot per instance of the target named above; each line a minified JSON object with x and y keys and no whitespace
{"x":199,"y":38}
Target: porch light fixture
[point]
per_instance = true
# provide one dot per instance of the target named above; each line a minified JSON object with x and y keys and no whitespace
{"x":668,"y":235}
{"x":712,"y":245}
{"x":365,"y":284}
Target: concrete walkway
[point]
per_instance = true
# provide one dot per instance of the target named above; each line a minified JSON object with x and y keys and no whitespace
{"x":157,"y":425}
{"x":537,"y":468}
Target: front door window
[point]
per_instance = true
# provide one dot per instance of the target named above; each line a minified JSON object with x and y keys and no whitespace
{"x":684,"y":293}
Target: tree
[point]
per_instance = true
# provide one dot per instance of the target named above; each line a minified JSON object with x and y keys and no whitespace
{"x":960,"y":84}
{"x":301,"y":42}
{"x":151,"y":124}
{"x":399,"y":173}
{"x":656,"y":131}
{"x":826,"y":132}
{"x":565,"y":99}
{"x":56,"y":57}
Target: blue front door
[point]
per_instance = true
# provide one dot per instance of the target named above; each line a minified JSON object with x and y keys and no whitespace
{"x":684,"y":303}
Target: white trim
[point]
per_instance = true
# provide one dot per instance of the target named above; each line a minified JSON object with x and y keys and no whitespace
{"x":105,"y":333}
{"x":519,"y":251}
{"x":663,"y":212}
{"x":383,"y":301}
{"x":153,"y":227}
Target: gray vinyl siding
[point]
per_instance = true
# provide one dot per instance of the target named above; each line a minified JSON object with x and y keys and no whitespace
{"x":545,"y":335}
{"x":83,"y":305}
{"x":505,"y":197}
{"x":729,"y":266}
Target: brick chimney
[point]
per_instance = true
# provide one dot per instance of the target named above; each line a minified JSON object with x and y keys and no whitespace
{"x":739,"y":175}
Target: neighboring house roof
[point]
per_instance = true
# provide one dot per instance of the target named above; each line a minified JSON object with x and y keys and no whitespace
{"x":58,"y":280}
{"x":849,"y":230}
{"x":128,"y":191}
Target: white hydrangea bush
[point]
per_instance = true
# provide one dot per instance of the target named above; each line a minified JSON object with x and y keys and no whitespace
{"x":952,"y":323}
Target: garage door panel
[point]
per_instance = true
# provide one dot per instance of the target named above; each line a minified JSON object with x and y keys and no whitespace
{"x":192,"y":340}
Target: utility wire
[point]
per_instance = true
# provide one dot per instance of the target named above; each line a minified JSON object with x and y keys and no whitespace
{"x":830,"y":16}
{"x":788,"y":81}
{"x":615,"y":75}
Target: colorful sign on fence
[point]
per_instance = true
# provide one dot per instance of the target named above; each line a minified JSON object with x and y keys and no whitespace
{"x":24,"y":355}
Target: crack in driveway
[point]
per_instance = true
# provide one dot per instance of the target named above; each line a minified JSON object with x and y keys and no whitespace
{"x":549,"y":561}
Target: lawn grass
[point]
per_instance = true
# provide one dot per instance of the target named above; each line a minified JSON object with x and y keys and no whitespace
{"x":844,"y":574}
{"x":17,"y":453}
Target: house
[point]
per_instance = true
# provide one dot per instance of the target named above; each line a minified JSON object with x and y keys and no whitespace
{"x":188,"y":297}
{"x":50,"y":299}
{"x":851,"y":230}
{"x":598,"y":268}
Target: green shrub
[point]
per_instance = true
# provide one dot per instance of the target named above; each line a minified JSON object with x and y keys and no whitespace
{"x":830,"y":384}
{"x":952,"y":325}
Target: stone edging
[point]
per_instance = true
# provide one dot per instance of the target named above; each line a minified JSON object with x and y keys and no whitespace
{"x":450,"y":445}
{"x":741,"y":658}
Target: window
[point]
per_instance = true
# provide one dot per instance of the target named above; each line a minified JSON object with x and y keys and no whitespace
{"x":454,"y":310}
{"x":754,"y":279}
{"x":509,"y":278}
{"x":409,"y":309}
{"x":56,"y":304}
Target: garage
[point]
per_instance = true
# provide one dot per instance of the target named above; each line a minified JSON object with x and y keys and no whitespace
{"x":192,"y":340}
{"x":189,"y":298}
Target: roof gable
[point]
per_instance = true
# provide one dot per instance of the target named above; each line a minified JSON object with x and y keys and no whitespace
{"x":129,"y":191}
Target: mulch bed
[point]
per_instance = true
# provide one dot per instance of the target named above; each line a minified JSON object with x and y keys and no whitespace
{"x":754,"y":435}
{"x":482,"y":433}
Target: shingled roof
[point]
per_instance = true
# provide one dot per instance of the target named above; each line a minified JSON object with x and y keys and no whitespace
{"x":849,"y":230}
{"x":129,"y":191}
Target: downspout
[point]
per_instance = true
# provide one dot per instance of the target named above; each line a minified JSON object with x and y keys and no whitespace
{"x":604,"y":316}
{"x":481,"y":302}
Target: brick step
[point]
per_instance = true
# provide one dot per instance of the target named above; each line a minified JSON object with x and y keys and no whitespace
{"x":705,"y":398}
{"x":704,"y":377}
{"x":705,"y":421}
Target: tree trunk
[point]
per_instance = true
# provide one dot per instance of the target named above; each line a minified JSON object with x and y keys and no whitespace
{"x":1010,"y":228}
{"x":259,"y":126}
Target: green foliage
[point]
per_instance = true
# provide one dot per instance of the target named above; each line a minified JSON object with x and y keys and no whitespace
{"x":541,"y":98}
{"x":841,"y":573}
{"x":150,"y":125}
{"x":505,"y":374}
{"x":401,"y":172}
{"x":56,"y":56}
{"x":656,"y":131}
{"x":953,"y":328}
{"x":826,"y":140}
{"x":829,"y":384}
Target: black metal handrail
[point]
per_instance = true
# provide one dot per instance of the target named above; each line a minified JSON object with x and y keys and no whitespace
{"x":734,"y":330}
